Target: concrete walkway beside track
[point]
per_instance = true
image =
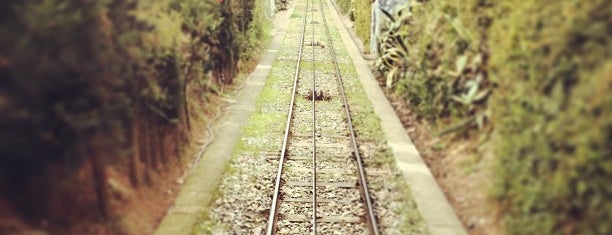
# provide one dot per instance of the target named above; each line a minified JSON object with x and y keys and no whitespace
{"x":197,"y":193}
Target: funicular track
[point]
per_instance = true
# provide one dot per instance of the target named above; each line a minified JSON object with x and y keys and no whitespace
{"x":320,"y":186}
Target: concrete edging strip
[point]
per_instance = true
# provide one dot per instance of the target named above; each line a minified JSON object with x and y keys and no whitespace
{"x":433,"y":205}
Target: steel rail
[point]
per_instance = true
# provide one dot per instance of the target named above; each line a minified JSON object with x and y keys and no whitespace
{"x":314,"y":130}
{"x":273,"y":217}
{"x":371,"y":220}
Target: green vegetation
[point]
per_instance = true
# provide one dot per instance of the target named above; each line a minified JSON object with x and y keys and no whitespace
{"x":360,"y":12}
{"x":555,"y":80}
{"x":535,"y":76}
{"x":345,"y":6}
{"x":363,"y":15}
{"x":108,"y":82}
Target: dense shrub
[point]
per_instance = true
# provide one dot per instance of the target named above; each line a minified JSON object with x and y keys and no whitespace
{"x":345,"y":6}
{"x":537,"y":73}
{"x":441,"y":67}
{"x":363,"y":15}
{"x":553,"y":115}
{"x":106,"y":82}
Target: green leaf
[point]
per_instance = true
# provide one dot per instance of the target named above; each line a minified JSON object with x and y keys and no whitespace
{"x":461,"y":62}
{"x":473,"y":88}
{"x":390,"y":77}
{"x":481,"y":95}
{"x":460,"y":99}
{"x":459,"y":28}
{"x":480,"y":121}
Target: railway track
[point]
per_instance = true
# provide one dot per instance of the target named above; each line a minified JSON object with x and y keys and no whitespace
{"x":320,"y":186}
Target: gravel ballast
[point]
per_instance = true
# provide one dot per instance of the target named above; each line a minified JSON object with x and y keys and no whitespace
{"x":244,"y":195}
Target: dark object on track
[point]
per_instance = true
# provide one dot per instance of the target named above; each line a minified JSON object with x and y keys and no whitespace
{"x":320,"y":95}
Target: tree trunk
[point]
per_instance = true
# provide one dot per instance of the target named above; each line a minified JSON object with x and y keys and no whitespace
{"x":135,"y":156}
{"x":154,"y":144}
{"x":99,"y":176}
{"x":162,"y":147}
{"x":186,"y":107}
{"x":146,"y":155}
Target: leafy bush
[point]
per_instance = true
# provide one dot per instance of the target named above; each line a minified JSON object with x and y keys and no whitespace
{"x":345,"y":6}
{"x":539,"y":72}
{"x":440,"y":76}
{"x":78,"y":75}
{"x":60,"y":67}
{"x":363,"y":15}
{"x":553,"y":116}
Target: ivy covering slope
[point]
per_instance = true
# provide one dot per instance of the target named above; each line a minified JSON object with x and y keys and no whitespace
{"x":107,"y":83}
{"x":535,"y":77}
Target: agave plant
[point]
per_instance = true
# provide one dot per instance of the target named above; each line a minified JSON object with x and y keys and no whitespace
{"x":393,"y":51}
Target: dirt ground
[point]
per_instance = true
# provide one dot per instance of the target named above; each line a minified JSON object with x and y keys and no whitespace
{"x":134,"y":211}
{"x":70,"y":206}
